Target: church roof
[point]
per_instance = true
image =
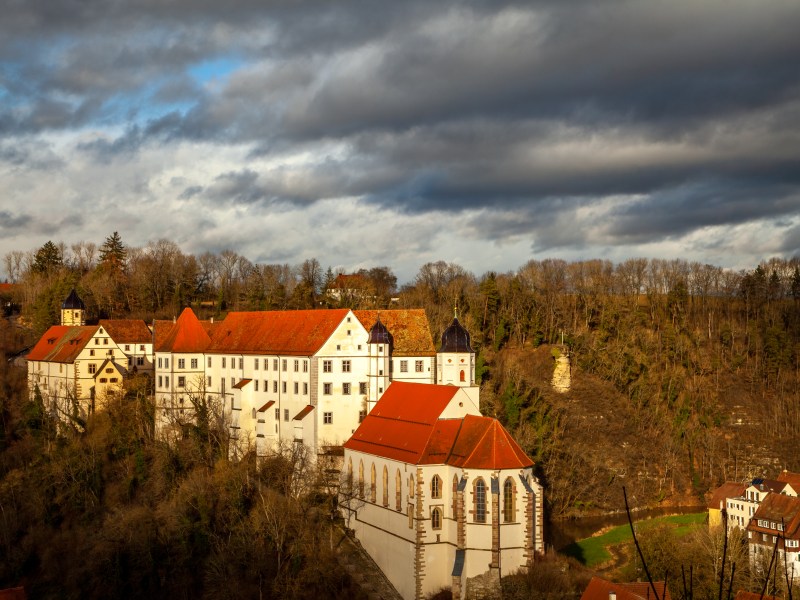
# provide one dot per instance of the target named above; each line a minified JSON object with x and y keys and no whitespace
{"x":186,"y":335}
{"x":73,"y":302}
{"x":291,"y":332}
{"x":409,"y":328}
{"x":404,"y":425}
{"x":379,"y":334}
{"x":127,"y":331}
{"x":62,"y":343}
{"x":455,"y":338}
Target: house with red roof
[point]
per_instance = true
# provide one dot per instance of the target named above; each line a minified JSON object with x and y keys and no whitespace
{"x":439,"y":495}
{"x":74,"y":366}
{"x":776,"y":526}
{"x":306,"y":376}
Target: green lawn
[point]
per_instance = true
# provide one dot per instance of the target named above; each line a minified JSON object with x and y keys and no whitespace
{"x":594,"y":550}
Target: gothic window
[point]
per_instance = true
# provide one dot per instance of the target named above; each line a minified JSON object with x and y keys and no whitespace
{"x":398,"y":492}
{"x":479,"y":501}
{"x":461,"y":376}
{"x":372,"y":484}
{"x":361,"y":478}
{"x":509,"y":494}
{"x":455,"y":495}
{"x":436,"y":518}
{"x":436,"y":487}
{"x":411,"y":486}
{"x":385,"y":486}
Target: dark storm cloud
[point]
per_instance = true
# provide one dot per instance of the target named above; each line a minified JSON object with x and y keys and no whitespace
{"x":10,"y":221}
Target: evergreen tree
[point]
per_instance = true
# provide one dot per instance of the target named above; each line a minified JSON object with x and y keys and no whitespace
{"x":47,"y":258}
{"x":113,"y":253}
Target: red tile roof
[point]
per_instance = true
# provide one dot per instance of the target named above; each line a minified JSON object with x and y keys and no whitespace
{"x":405,"y":426}
{"x":266,"y":406}
{"x":600,"y":589}
{"x":62,"y":343}
{"x":302,"y":414}
{"x":778,"y":508}
{"x":187,"y":335}
{"x":127,"y":331}
{"x":729,"y":489}
{"x":411,"y":332}
{"x":292,"y":332}
{"x":242,"y":383}
{"x":793,"y":479}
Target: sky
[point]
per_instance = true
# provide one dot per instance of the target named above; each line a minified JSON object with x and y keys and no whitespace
{"x":483,"y":133}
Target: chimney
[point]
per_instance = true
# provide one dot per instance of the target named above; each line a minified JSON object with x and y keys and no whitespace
{"x":612,"y":595}
{"x":212,"y":319}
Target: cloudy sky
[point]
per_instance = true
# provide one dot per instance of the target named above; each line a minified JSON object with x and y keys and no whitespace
{"x":369,"y":133}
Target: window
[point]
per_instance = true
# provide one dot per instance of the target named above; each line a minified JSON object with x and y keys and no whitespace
{"x":326,"y":389}
{"x":305,"y":389}
{"x":254,"y":413}
{"x":208,"y":362}
{"x":345,"y":366}
{"x":305,"y":366}
{"x":404,"y":366}
{"x":385,"y":486}
{"x":193,"y":363}
{"x":327,"y":366}
{"x":398,"y":491}
{"x":208,"y":381}
{"x":140,"y":360}
{"x":166,"y":381}
{"x":255,"y":364}
{"x":256,"y":383}
{"x":508,"y":501}
{"x":436,"y":487}
{"x":266,"y":364}
{"x":160,"y":381}
{"x":127,"y":347}
{"x":327,"y":418}
{"x":277,"y":414}
{"x":113,"y":380}
{"x":103,"y":380}
{"x":362,"y":414}
{"x":223,"y":362}
{"x":296,"y":366}
{"x":411,"y":486}
{"x":461,"y":376}
{"x":274,"y":387}
{"x":455,"y":497}
{"x":166,"y":363}
{"x":91,"y":352}
{"x":181,"y":363}
{"x":241,"y":362}
{"x":274,"y":364}
{"x":92,"y":369}
{"x":141,"y":347}
{"x":411,"y":516}
{"x":283,"y":387}
{"x":283,"y":364}
{"x":418,"y":366}
{"x":285,"y":414}
{"x":373,"y":484}
{"x":436,"y":518}
{"x":159,"y":362}
{"x":266,"y":385}
{"x":105,"y":341}
{"x":361,"y":478}
{"x":296,"y":388}
{"x":346,"y":389}
{"x":181,"y":381}
{"x":479,"y":501}
{"x":362,"y":388}
{"x":233,"y":381}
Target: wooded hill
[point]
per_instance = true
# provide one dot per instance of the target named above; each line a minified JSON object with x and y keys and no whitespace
{"x":683,"y":374}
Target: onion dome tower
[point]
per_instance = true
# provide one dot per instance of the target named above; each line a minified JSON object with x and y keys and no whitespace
{"x":379,"y":345}
{"x":73,"y":310}
{"x":456,"y":358}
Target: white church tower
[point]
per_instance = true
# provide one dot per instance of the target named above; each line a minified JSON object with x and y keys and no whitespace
{"x":456,"y":358}
{"x":380,"y":356}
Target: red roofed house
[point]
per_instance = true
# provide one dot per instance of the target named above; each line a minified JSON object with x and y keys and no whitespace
{"x":304,"y":375}
{"x":777,"y":520}
{"x":601,"y":589}
{"x":438,"y":494}
{"x":74,"y":365}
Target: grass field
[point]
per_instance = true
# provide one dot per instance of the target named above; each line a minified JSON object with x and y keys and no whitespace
{"x":594,"y":551}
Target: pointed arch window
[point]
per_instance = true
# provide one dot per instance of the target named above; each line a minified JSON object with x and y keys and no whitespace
{"x":479,"y":501}
{"x":462,"y":376}
{"x":436,"y":487}
{"x":455,"y":496}
{"x":436,"y":518}
{"x":361,"y":478}
{"x":509,"y":500}
{"x":411,"y":486}
{"x":372,"y":484}
{"x":385,"y":486}
{"x":398,"y":492}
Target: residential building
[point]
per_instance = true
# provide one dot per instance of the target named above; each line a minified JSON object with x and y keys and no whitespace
{"x":775,"y":526}
{"x":439,"y":495}
{"x":718,"y":502}
{"x":742,"y":508}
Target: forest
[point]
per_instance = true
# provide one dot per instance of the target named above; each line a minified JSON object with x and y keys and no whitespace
{"x":684,"y":375}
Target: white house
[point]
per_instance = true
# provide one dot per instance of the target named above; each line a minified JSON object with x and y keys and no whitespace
{"x":307,"y":375}
{"x":439,"y":495}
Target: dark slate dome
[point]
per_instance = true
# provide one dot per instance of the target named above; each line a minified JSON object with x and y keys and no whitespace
{"x":455,"y":338}
{"x":379,"y":334}
{"x":73,"y":302}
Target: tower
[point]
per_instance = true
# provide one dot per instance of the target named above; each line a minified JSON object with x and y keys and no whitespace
{"x":380,"y":355}
{"x":456,"y":358}
{"x":73,"y":310}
